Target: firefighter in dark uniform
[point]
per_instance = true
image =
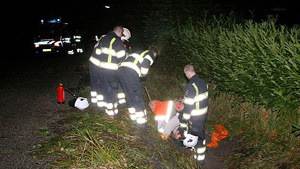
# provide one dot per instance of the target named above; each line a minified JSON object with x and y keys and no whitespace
{"x":104,"y":62}
{"x":193,"y":115}
{"x":135,"y":66}
{"x":125,"y":39}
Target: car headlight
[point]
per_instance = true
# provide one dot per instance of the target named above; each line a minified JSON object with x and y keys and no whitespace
{"x":57,"y":44}
{"x":36,"y":45}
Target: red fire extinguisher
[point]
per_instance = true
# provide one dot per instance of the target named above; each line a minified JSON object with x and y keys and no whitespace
{"x":60,"y":94}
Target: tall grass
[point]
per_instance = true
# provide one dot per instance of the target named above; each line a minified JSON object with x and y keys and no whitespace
{"x":247,"y":123}
{"x":99,"y":141}
{"x":256,"y":60}
{"x":259,"y":63}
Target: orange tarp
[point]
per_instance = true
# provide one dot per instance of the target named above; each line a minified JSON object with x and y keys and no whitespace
{"x":219,"y":134}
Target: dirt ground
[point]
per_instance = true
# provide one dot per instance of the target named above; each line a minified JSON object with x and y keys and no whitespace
{"x":28,"y":104}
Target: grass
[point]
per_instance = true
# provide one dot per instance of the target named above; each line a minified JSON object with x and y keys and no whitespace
{"x":98,"y":141}
{"x":257,"y":147}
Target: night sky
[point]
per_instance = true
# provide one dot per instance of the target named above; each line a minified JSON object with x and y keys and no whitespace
{"x":20,"y":19}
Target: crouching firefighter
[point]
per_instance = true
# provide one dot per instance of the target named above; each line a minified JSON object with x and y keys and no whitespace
{"x":104,"y":63}
{"x":193,"y":115}
{"x":135,"y":66}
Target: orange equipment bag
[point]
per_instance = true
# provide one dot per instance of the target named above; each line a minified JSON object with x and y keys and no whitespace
{"x":219,"y":134}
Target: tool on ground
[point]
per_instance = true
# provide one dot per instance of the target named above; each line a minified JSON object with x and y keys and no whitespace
{"x":148,"y":97}
{"x":78,"y":102}
{"x":147,"y":93}
{"x":70,"y":92}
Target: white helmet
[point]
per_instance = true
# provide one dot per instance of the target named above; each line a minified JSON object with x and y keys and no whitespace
{"x":126,"y":34}
{"x":190,"y":140}
{"x":81,"y":103}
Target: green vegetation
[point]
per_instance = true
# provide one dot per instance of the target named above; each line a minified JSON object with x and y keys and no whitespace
{"x":253,"y":74}
{"x":99,"y":141}
{"x":254,"y":70}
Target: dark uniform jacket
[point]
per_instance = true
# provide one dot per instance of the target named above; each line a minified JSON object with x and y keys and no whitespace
{"x":193,"y":117}
{"x":140,"y":62}
{"x":108,"y":52}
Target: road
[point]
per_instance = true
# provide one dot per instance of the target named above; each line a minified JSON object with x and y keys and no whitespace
{"x":28,"y":101}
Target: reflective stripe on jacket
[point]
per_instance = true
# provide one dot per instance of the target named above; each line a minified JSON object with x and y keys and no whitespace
{"x":139,"y":62}
{"x":108,"y":52}
{"x":195,"y":102}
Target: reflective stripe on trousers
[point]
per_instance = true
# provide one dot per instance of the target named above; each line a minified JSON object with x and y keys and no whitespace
{"x":199,"y":151}
{"x":138,"y":116}
{"x":141,"y":117}
{"x":111,"y":109}
{"x":98,"y":99}
{"x":121,"y":97}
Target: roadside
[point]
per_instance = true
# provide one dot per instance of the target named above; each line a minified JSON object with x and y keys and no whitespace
{"x":30,"y":116}
{"x":28,"y":103}
{"x":123,"y":143}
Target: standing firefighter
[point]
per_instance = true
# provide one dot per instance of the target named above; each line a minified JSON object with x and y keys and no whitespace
{"x":104,"y":63}
{"x":193,"y":114}
{"x":125,"y":39}
{"x":135,"y":66}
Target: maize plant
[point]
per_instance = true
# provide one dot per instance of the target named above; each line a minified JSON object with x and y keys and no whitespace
{"x":258,"y":61}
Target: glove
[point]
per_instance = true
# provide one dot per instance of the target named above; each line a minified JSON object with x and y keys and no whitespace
{"x":179,"y":106}
{"x":190,"y":140}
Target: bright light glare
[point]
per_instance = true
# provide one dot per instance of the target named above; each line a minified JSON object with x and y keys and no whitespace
{"x":107,"y":6}
{"x":57,"y":44}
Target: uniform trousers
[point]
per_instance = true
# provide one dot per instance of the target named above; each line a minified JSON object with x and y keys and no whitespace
{"x":104,"y":89}
{"x":132,"y":87}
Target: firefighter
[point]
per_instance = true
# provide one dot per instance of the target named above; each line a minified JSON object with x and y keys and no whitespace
{"x":135,"y":66}
{"x":166,"y":116}
{"x":193,"y":115}
{"x":125,"y":39}
{"x":104,"y":62}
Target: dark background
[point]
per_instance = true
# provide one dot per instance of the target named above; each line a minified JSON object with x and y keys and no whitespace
{"x":20,"y":18}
